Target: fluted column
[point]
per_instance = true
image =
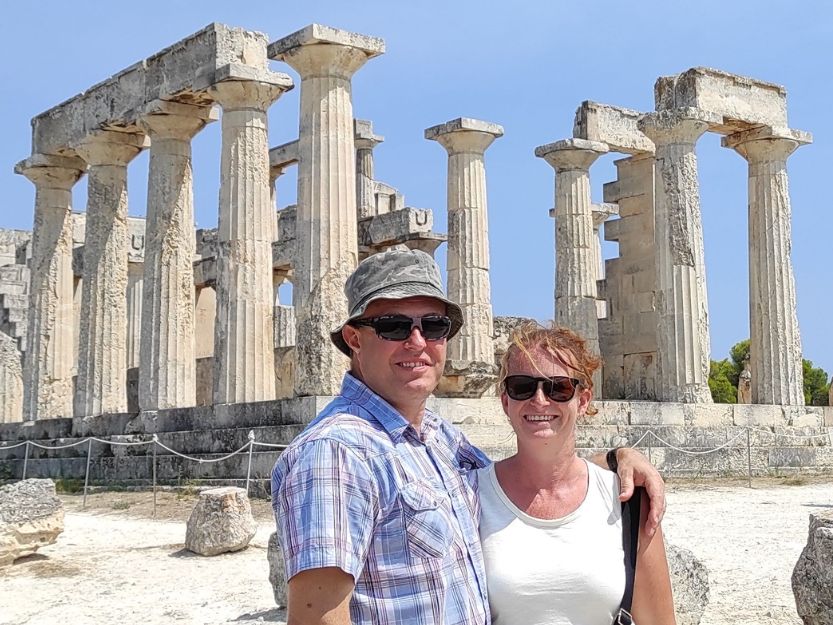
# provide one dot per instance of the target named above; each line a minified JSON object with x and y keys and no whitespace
{"x":575,"y":253}
{"x":683,"y":349}
{"x":775,"y":359}
{"x":135,"y":290}
{"x":467,"y":263}
{"x":48,"y":360}
{"x":244,"y":366}
{"x":601,"y":213}
{"x":102,"y":344}
{"x":365,"y":140}
{"x":167,"y":375}
{"x":327,"y":244}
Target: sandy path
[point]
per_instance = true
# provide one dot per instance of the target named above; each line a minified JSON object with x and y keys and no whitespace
{"x":108,"y":567}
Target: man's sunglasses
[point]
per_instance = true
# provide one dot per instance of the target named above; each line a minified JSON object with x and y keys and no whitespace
{"x":399,"y":327}
{"x":558,"y":388}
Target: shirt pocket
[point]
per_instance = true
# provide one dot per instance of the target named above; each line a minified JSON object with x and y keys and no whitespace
{"x":428,"y":532}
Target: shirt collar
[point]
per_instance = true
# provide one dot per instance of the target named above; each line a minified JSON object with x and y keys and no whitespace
{"x":388,"y":417}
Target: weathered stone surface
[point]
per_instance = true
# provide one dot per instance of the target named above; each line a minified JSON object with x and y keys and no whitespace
{"x":690,"y":583}
{"x":277,"y":570}
{"x":31,"y":516}
{"x":221,"y":521}
{"x":326,"y":59}
{"x":11,"y":381}
{"x":812,"y":578}
{"x":365,"y":140}
{"x":464,"y":378}
{"x":737,"y":102}
{"x":612,"y":125}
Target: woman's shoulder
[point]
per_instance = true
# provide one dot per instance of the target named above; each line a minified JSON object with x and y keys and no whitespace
{"x":604,"y":483}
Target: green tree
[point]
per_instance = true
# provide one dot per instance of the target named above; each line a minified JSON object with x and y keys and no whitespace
{"x":739,"y":355}
{"x":720,"y":384}
{"x":816,"y":385}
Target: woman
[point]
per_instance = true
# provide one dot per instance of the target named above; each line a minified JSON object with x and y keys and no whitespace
{"x":551,"y":522}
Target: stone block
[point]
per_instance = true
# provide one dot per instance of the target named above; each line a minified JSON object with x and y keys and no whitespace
{"x":31,"y":517}
{"x":611,"y":412}
{"x":283,"y":155}
{"x":221,"y":522}
{"x":827,"y":412}
{"x":277,"y":570}
{"x":395,"y":226}
{"x":708,"y":415}
{"x":612,"y":125}
{"x":758,"y":414}
{"x":320,"y":34}
{"x":462,"y":124}
{"x":791,"y":457}
{"x":690,"y":584}
{"x":656,"y":413}
{"x":803,"y":416}
{"x":740,"y":101}
{"x":463,"y":410}
{"x":812,"y":578}
{"x":284,"y":321}
{"x":639,"y":368}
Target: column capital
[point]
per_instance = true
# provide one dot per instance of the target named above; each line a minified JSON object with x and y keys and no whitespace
{"x":110,"y":147}
{"x":322,"y":50}
{"x":464,"y":135}
{"x":175,"y":120}
{"x":241,"y":86}
{"x":766,"y":143}
{"x":47,"y":170}
{"x":363,"y":135}
{"x":604,"y":211}
{"x":682,"y":125}
{"x":571,"y":154}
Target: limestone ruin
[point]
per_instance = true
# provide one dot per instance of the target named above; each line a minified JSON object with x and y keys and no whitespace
{"x":99,"y":312}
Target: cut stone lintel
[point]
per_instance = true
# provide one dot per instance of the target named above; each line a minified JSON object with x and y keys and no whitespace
{"x":180,"y":72}
{"x":395,"y":227}
{"x":320,"y":34}
{"x":283,"y":155}
{"x":612,"y":125}
{"x":740,"y":101}
{"x":463,"y":123}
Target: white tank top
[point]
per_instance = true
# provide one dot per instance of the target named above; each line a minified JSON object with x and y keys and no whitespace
{"x":553,"y":572}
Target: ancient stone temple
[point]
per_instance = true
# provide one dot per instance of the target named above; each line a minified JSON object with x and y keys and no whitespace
{"x":100,"y":313}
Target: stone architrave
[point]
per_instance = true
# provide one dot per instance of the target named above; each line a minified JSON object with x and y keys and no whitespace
{"x":167,"y":375}
{"x":244,"y":366}
{"x":775,"y":342}
{"x":466,"y":141}
{"x":683,"y":349}
{"x":11,"y":381}
{"x":365,"y":140}
{"x":575,"y":253}
{"x":327,"y":243}
{"x":48,"y":361}
{"x":102,"y":345}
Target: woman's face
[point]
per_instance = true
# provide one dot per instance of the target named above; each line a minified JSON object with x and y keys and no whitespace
{"x":540,"y":418}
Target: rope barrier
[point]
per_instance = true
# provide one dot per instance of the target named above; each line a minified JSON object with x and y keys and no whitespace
{"x":203,"y":460}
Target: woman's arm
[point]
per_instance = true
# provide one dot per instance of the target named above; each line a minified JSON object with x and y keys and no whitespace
{"x":653,"y":603}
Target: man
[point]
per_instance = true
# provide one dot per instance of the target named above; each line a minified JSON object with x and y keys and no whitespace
{"x":375,"y":500}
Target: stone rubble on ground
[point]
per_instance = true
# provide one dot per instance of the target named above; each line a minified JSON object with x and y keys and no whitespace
{"x":812,"y":578}
{"x":221,"y":522}
{"x":31,"y":516}
{"x":690,"y":583}
{"x":277,"y":571}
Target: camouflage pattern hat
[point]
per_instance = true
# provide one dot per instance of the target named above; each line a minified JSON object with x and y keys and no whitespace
{"x":395,"y":274}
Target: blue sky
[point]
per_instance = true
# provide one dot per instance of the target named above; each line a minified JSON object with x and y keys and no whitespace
{"x":523,"y":65}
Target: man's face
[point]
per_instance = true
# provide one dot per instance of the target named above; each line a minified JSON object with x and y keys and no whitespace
{"x":405,"y":372}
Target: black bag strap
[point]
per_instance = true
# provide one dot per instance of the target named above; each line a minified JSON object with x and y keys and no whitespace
{"x":630,"y":543}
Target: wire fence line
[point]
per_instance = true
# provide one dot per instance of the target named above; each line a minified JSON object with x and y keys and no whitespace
{"x":251,"y":444}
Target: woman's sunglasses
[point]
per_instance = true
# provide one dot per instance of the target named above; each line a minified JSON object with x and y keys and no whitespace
{"x":558,"y":388}
{"x":399,"y":327}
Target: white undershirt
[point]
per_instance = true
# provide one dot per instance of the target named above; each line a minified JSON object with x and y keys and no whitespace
{"x":553,"y":572}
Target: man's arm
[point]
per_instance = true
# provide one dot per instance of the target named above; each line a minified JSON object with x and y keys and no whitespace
{"x":635,"y":469}
{"x":319,"y":597}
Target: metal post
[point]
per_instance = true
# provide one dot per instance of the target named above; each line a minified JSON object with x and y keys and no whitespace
{"x":25,"y":461}
{"x":87,"y":472}
{"x":155,"y":438}
{"x":748,"y":458}
{"x":249,"y":469}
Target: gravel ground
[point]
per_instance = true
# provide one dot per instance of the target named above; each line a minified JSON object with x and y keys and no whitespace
{"x":115,"y":564}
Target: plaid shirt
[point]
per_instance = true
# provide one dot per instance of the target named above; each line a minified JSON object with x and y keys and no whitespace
{"x":360,"y":489}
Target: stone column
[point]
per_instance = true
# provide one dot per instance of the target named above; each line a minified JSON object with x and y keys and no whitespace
{"x":775,"y":358}
{"x":466,"y":141}
{"x":601,"y":213}
{"x":102,"y":344}
{"x":683,"y":349}
{"x":167,"y":376}
{"x":48,"y":361}
{"x":327,"y":244}
{"x":244,"y":367}
{"x":365,"y":142}
{"x":135,"y":290}
{"x":576,"y":263}
{"x":11,"y":381}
